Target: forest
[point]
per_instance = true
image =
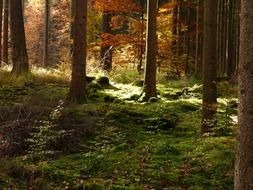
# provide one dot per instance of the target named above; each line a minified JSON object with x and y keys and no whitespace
{"x":126,"y":94}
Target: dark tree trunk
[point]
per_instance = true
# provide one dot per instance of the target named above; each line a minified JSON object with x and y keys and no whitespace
{"x":139,"y":67}
{"x":210,"y":64}
{"x":78,"y":83}
{"x":19,"y":51}
{"x":106,"y":50}
{"x":1,"y":21}
{"x":151,"y":51}
{"x":244,"y":157}
{"x":6,"y":32}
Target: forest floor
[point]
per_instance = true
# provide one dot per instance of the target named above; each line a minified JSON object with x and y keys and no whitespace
{"x":114,"y":141}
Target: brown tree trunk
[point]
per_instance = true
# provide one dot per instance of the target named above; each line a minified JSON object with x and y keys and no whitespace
{"x":199,"y":40}
{"x":106,"y":51}
{"x":46,"y":33}
{"x":1,"y":21}
{"x":6,"y":32}
{"x":244,"y":160}
{"x":151,"y":51}
{"x":139,"y":66}
{"x":210,"y":64}
{"x":19,"y":51}
{"x":78,"y":83}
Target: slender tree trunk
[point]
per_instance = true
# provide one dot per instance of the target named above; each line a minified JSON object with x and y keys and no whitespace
{"x":1,"y":21}
{"x":6,"y":32}
{"x":46,"y":33}
{"x":19,"y":51}
{"x":106,"y":51}
{"x":244,"y":159}
{"x":210,"y":64}
{"x":78,"y":83}
{"x":139,"y":67}
{"x":151,"y":51}
{"x":199,"y":34}
{"x":188,"y":38}
{"x":225,"y":37}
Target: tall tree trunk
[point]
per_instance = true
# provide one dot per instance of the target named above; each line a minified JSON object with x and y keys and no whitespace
{"x":46,"y":33}
{"x":6,"y":32}
{"x":210,"y":64}
{"x":106,"y":50}
{"x":139,"y":67}
{"x":244,"y":159}
{"x":188,"y":38}
{"x":199,"y":36}
{"x":1,"y":21}
{"x":78,"y":83}
{"x":19,"y":51}
{"x":151,"y":51}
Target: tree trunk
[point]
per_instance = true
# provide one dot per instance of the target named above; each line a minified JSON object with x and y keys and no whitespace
{"x":244,"y":160}
{"x":199,"y":36}
{"x":210,"y":64}
{"x":106,"y":50}
{"x":19,"y":51}
{"x":78,"y":83}
{"x":139,"y":67}
{"x":6,"y":32}
{"x":1,"y":21}
{"x":151,"y":51}
{"x":46,"y":33}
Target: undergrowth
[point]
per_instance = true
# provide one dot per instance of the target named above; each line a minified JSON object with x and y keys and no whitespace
{"x":114,"y":141}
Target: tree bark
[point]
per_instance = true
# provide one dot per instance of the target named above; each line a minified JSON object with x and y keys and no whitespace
{"x":46,"y":33}
{"x":151,"y":51}
{"x":78,"y":83}
{"x":1,"y":21}
{"x":244,"y":156}
{"x":19,"y":51}
{"x":209,"y":104}
{"x":106,"y":51}
{"x":6,"y":32}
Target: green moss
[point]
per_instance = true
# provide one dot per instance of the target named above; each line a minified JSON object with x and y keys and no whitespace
{"x":119,"y":150}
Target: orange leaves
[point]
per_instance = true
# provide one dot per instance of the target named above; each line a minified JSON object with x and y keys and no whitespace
{"x":116,"y":5}
{"x":119,"y":39}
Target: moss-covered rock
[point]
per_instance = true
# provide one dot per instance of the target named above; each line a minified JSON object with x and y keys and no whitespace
{"x":95,"y":86}
{"x":90,"y":79}
{"x":161,"y":123}
{"x":104,"y":82}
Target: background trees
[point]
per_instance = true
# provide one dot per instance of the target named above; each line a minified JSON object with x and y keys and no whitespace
{"x":191,"y":38}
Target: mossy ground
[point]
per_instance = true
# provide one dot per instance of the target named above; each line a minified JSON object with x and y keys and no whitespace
{"x":112,"y":142}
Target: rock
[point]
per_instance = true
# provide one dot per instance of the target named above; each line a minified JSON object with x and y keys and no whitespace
{"x":104,"y":81}
{"x":90,"y":79}
{"x":161,"y":123}
{"x":95,"y":86}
